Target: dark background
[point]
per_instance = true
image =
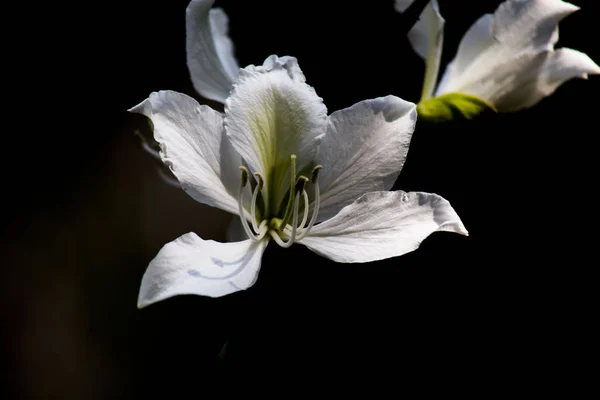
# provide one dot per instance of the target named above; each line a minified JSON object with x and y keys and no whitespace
{"x":85,"y":212}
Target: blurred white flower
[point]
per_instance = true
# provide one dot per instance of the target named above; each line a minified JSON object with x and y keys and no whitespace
{"x":505,"y":60}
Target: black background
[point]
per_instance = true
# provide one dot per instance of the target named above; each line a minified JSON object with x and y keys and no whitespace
{"x":85,"y":212}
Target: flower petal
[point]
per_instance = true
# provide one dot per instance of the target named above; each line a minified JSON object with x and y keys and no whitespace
{"x":544,"y":74}
{"x":427,"y":39}
{"x":271,"y":114}
{"x":210,"y":58}
{"x":364,"y":150}
{"x":381,"y":225}
{"x":191,"y":265}
{"x":194,"y":145}
{"x":502,"y":58}
{"x":476,"y":41}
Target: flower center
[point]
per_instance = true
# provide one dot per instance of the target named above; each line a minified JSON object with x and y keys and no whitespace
{"x":288,"y":227}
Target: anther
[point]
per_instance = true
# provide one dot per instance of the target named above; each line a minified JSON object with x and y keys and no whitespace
{"x":315,"y":174}
{"x":317,"y":204}
{"x":244,"y":176}
{"x":300,"y":184}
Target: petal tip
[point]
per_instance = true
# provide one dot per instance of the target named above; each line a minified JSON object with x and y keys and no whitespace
{"x":142,"y":302}
{"x":141,"y":108}
{"x":455,"y":227}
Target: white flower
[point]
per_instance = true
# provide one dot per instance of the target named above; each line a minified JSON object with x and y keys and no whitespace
{"x":506,"y":59}
{"x":279,"y":162}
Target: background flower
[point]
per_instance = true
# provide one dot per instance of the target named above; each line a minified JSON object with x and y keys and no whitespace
{"x":505,"y":61}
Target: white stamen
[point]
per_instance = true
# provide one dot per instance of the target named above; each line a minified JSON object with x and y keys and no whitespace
{"x":276,"y":237}
{"x":292,"y":236}
{"x":146,"y":146}
{"x":257,"y":189}
{"x":306,"y":209}
{"x":313,"y":218}
{"x":288,"y":228}
{"x":163,"y":175}
{"x":247,"y":229}
{"x":262,"y":230}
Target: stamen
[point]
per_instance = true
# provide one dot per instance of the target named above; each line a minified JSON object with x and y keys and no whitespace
{"x":306,"y":209}
{"x":292,"y":237}
{"x":288,"y":228}
{"x":257,"y":189}
{"x":244,"y":176}
{"x":300,"y":184}
{"x":163,"y":175}
{"x":251,"y":235}
{"x":146,"y":146}
{"x":313,"y":218}
{"x":315,"y":174}
{"x":262,"y":230}
{"x":290,"y":204}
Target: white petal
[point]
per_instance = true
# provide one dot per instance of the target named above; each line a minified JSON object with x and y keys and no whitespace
{"x":476,"y":41}
{"x":529,"y":24}
{"x":541,"y":76}
{"x":502,"y":56}
{"x":381,"y":225}
{"x":272,"y":114}
{"x":364,"y":150}
{"x":427,"y":39}
{"x":195,"y":147}
{"x":210,"y":58}
{"x":564,"y":64}
{"x":191,"y":265}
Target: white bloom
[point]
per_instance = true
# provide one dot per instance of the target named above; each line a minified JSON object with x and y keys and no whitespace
{"x":306,"y":177}
{"x":506,"y":59}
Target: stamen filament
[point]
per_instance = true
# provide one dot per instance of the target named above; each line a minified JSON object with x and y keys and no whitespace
{"x":288,"y":228}
{"x":316,"y":206}
{"x":290,"y":204}
{"x":247,"y":229}
{"x":302,"y":232}
{"x":292,"y":237}
{"x":257,"y":189}
{"x":277,"y":238}
{"x":306,"y":209}
{"x":262,"y":230}
{"x":163,"y":175}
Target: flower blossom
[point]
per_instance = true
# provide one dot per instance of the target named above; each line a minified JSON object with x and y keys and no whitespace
{"x":292,"y":174}
{"x":506,"y":61}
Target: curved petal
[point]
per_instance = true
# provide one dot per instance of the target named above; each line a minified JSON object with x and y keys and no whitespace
{"x":364,"y":150}
{"x":193,"y":144}
{"x":499,"y":52}
{"x":539,"y":78}
{"x":564,"y":64}
{"x":474,"y":43}
{"x":191,"y":265}
{"x":381,"y":225}
{"x":529,"y":24}
{"x":427,"y":39}
{"x":272,"y":114}
{"x":210,"y":58}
